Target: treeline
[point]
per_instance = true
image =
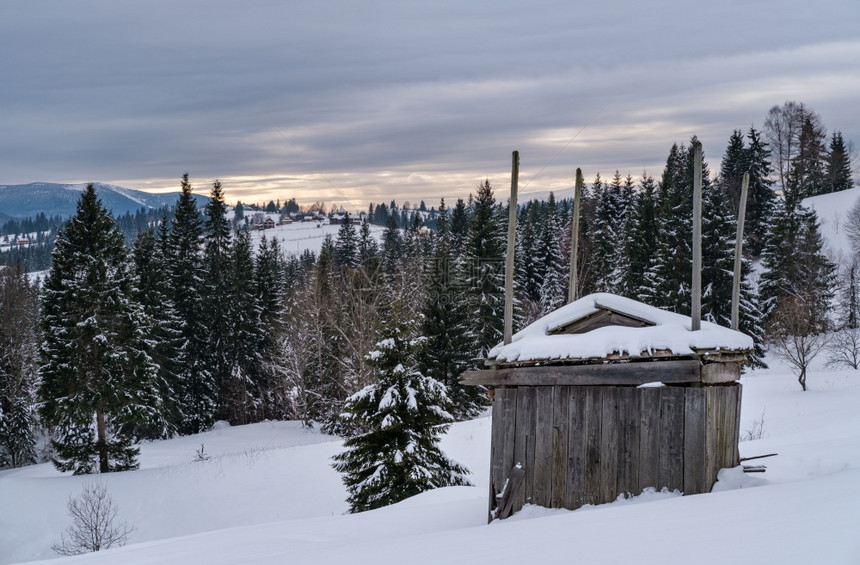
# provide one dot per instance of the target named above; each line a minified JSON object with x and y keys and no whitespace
{"x":189,"y":325}
{"x":41,"y":232}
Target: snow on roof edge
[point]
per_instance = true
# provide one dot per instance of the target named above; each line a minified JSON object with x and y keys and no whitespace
{"x":670,"y":332}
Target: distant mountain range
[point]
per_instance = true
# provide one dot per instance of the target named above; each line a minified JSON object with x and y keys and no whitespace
{"x":28,"y":200}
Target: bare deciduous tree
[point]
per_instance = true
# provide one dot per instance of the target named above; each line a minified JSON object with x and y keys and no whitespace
{"x":95,"y":525}
{"x":852,"y":227}
{"x":844,"y":349}
{"x":782,"y":128}
{"x":795,"y":336}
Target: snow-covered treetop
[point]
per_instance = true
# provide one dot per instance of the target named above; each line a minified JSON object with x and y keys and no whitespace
{"x":601,"y":325}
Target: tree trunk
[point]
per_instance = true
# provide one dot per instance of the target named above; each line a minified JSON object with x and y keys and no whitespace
{"x":101,"y":445}
{"x":802,"y":378}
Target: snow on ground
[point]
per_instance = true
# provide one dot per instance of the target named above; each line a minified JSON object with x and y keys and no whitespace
{"x":297,"y":237}
{"x":267,"y":495}
{"x":832,"y":210}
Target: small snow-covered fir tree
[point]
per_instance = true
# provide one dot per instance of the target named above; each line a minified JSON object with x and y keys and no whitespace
{"x":400,"y":419}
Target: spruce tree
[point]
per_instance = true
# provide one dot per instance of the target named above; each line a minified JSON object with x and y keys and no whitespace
{"x":445,"y":325}
{"x":734,"y":164}
{"x":392,"y":244}
{"x":761,"y":198}
{"x":197,"y":391}
{"x":243,"y":390}
{"x":528,"y":252}
{"x":484,"y":256}
{"x":719,"y":229}
{"x":806,"y":175}
{"x":270,"y":289}
{"x":323,"y":377}
{"x":459,"y":224}
{"x":838,"y":165}
{"x":401,"y":418}
{"x":669,"y":276}
{"x":552,"y":289}
{"x":368,"y":248}
{"x":603,"y":237}
{"x":642,"y":239}
{"x":346,"y":245}
{"x":217,"y":280}
{"x":97,"y":376}
{"x":19,"y":368}
{"x":794,"y":266}
{"x":165,"y":333}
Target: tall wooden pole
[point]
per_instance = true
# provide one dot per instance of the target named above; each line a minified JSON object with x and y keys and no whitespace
{"x":574,"y":237}
{"x":697,"y":237}
{"x":739,"y":244}
{"x":512,"y":244}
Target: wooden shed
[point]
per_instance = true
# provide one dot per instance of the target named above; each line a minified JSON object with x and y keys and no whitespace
{"x":608,"y":396}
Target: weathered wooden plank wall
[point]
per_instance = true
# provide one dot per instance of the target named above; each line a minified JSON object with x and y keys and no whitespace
{"x":589,"y":444}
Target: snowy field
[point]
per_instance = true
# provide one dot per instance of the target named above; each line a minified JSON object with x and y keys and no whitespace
{"x":297,"y":237}
{"x":267,"y":495}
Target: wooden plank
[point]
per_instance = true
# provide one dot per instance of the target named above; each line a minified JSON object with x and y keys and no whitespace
{"x":732,"y":457}
{"x":739,"y":401}
{"x":543,"y":459}
{"x":696,"y":287}
{"x":628,"y":440}
{"x":711,"y":458}
{"x":506,"y":461}
{"x":591,"y":426}
{"x":497,"y":444}
{"x":713,"y":373}
{"x":609,"y":444}
{"x":649,"y":437}
{"x":739,"y":244}
{"x":561,"y":421}
{"x":509,"y":254}
{"x":574,"y":237}
{"x":524,"y":448}
{"x":614,"y":374}
{"x":513,"y":487}
{"x":721,"y":425}
{"x":694,"y":441}
{"x":671,"y":438}
{"x":578,"y":462}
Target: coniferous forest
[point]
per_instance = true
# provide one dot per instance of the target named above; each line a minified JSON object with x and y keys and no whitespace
{"x":186,"y":323}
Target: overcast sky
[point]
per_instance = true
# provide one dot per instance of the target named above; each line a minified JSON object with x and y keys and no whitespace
{"x":372,"y":100}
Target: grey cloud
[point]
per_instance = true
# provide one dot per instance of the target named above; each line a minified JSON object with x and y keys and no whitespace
{"x":388,"y":97}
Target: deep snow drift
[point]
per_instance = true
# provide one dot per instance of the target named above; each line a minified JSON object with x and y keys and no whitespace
{"x":267,"y":495}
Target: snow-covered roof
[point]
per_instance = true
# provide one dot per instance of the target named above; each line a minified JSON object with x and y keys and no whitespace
{"x":612,"y":325}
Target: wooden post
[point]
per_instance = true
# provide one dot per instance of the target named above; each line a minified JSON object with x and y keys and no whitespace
{"x":739,"y":243}
{"x":574,"y":237}
{"x":697,"y":237}
{"x":512,"y":243}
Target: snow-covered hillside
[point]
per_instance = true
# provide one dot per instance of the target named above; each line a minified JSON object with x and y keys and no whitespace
{"x":298,"y":237}
{"x":267,"y":495}
{"x":832,"y":210}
